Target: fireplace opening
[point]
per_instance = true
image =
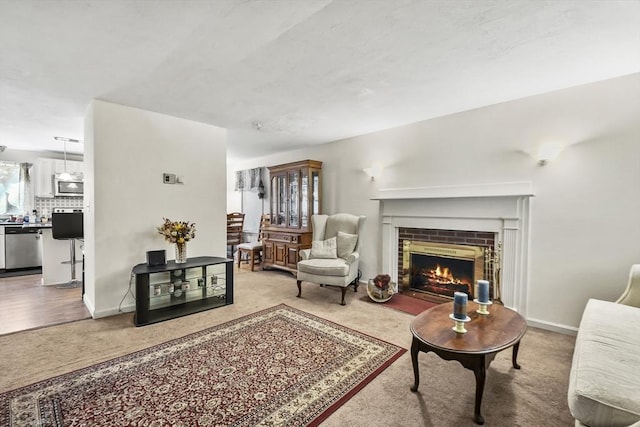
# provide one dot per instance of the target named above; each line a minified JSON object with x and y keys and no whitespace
{"x":441,"y":275}
{"x":434,"y":271}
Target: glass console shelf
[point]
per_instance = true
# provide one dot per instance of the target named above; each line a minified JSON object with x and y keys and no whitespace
{"x":172,"y":290}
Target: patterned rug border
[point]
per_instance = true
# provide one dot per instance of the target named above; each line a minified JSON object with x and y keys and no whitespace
{"x":243,"y":318}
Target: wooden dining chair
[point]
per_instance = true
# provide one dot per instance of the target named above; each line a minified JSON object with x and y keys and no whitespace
{"x":235,"y":224}
{"x":253,"y":250}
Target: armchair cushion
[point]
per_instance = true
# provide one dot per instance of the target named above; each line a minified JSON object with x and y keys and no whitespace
{"x":324,"y":267}
{"x":324,"y":249}
{"x":346,"y":244}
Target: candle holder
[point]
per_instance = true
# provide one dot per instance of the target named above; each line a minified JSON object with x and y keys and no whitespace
{"x":483,"y":307}
{"x":458,"y":325}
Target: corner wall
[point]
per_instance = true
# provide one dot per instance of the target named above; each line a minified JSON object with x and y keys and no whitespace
{"x":126,"y":152}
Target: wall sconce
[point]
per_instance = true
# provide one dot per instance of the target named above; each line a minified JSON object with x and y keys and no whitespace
{"x":547,"y":152}
{"x":374,"y":171}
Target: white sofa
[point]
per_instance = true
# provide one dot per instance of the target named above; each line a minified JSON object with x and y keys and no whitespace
{"x":604,"y":383}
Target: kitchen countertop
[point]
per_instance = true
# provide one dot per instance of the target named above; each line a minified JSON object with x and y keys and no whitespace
{"x":29,"y":225}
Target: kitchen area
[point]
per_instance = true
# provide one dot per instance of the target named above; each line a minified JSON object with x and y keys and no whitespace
{"x":33,"y":193}
{"x":41,"y":266}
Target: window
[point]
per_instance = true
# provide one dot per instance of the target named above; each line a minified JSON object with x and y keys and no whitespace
{"x":10,"y":200}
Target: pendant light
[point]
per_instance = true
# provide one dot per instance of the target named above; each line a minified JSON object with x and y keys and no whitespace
{"x":65,"y":176}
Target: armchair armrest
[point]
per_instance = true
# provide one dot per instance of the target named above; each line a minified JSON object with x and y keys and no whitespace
{"x":304,"y":254}
{"x":352,"y":257}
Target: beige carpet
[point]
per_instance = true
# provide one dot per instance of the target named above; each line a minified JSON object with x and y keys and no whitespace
{"x":532,"y":396}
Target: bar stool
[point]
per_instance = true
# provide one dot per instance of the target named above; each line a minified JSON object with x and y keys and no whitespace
{"x":68,"y":226}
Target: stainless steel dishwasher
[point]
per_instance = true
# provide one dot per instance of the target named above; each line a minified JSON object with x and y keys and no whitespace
{"x":23,"y":247}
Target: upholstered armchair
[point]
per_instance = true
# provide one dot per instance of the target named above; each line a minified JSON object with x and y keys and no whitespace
{"x":333,"y":258}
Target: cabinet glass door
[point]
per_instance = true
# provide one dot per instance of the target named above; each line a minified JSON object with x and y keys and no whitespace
{"x":274,"y":200}
{"x":294,"y":199}
{"x":281,"y":200}
{"x":315,"y":191}
{"x":304,"y":203}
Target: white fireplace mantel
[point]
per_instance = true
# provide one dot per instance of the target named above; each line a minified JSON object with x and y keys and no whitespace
{"x":501,"y":208}
{"x":502,"y":189}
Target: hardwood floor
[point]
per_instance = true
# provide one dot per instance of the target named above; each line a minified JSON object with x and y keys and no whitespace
{"x":26,"y":304}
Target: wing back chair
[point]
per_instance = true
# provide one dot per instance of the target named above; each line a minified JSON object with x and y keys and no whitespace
{"x":333,"y":258}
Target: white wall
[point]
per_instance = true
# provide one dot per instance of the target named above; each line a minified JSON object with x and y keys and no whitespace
{"x":126,"y":152}
{"x":584,"y":227}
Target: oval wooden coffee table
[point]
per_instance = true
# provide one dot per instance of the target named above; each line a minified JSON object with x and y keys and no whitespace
{"x":486,"y":336}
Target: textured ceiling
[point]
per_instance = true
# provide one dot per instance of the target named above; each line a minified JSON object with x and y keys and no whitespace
{"x":310,"y":71}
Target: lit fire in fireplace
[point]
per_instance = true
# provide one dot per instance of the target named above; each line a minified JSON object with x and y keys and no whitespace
{"x":440,"y":280}
{"x":438,"y":270}
{"x":441,"y":276}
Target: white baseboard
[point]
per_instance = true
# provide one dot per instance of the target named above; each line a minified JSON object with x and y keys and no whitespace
{"x":89,"y":306}
{"x":114,"y":311}
{"x":553,"y":327}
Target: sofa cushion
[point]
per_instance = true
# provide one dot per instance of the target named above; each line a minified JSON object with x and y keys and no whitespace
{"x":604,"y":384}
{"x":324,"y":267}
{"x":324,"y":249}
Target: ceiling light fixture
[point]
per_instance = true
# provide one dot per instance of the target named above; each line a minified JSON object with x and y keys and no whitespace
{"x":65,"y":176}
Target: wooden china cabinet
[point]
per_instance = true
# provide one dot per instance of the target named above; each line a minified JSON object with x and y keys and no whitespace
{"x":295,"y":196}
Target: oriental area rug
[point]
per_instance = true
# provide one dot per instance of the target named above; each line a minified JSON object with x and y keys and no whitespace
{"x":277,"y":367}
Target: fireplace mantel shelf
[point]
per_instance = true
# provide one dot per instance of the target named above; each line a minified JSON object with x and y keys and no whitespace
{"x":503,"y":189}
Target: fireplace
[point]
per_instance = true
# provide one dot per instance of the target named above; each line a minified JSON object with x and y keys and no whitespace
{"x":501,"y":210}
{"x":434,"y":271}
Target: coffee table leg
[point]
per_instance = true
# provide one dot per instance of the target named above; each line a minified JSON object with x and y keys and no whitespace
{"x":415,"y":348}
{"x":514,"y":355}
{"x":480,"y":373}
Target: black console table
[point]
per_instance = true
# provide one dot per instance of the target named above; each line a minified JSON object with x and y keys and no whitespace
{"x":172,"y":290}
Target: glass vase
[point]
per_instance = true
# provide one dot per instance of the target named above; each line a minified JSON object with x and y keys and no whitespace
{"x":181,"y":253}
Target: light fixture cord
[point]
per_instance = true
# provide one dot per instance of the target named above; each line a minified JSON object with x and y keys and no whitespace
{"x":65,"y":155}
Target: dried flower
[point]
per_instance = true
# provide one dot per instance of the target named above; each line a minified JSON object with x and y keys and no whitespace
{"x":382,"y":281}
{"x":177,"y":231}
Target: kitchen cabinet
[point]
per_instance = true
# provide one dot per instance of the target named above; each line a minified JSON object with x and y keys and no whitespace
{"x":295,"y":196}
{"x":43,"y":174}
{"x":45,"y":169}
{"x":171,"y":290}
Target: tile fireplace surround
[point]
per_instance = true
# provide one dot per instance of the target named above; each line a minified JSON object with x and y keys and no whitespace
{"x":502,"y":208}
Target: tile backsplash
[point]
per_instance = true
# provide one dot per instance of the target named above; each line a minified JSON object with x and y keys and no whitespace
{"x":48,"y":204}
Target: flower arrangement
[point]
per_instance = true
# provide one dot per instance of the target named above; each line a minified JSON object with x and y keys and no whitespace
{"x":382,"y":281}
{"x":177,"y":231}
